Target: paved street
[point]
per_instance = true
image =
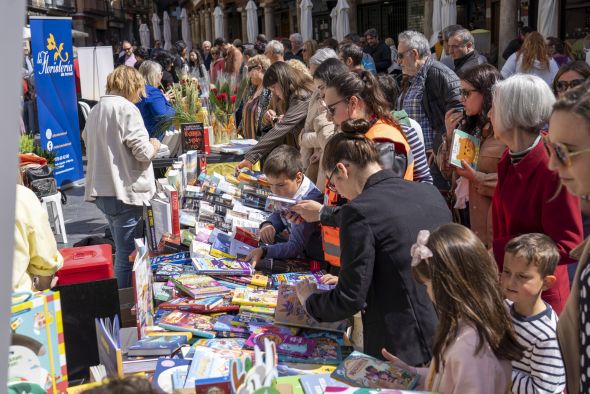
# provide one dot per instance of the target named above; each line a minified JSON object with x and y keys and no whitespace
{"x":83,"y":219}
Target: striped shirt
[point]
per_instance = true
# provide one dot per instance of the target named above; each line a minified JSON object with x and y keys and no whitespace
{"x":421,"y":169}
{"x":541,"y":368}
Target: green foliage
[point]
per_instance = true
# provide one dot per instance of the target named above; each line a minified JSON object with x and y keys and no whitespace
{"x":28,"y":145}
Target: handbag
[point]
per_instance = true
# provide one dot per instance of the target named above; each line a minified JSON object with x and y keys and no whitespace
{"x":40,"y":180}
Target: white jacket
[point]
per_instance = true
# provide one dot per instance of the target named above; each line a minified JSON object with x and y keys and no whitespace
{"x":514,"y":66}
{"x":119,"y":152}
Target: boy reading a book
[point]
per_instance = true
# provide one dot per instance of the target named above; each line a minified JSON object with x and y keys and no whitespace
{"x":284,"y":171}
{"x":529,"y":266}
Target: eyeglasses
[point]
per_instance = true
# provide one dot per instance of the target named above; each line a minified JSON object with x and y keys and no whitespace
{"x":332,"y":107}
{"x":329,"y":184}
{"x":465,"y":93}
{"x":127,"y":49}
{"x":561,"y":152}
{"x":451,"y":47}
{"x":562,"y":86}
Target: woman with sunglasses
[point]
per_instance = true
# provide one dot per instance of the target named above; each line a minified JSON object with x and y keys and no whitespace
{"x":568,"y":142}
{"x":352,"y":96}
{"x":257,"y":100}
{"x":569,"y":76}
{"x":528,"y":197}
{"x":292,"y":91}
{"x":318,"y":129}
{"x":476,"y":97}
{"x":375,"y":276}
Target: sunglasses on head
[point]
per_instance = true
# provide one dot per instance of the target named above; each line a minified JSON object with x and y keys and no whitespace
{"x":562,"y":86}
{"x":561,"y":152}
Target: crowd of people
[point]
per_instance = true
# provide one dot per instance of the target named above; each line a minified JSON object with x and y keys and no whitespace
{"x":360,"y":133}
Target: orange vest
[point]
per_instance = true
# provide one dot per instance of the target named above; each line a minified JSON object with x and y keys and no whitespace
{"x":380,"y":131}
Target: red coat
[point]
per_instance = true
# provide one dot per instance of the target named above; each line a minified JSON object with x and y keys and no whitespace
{"x":523,"y":204}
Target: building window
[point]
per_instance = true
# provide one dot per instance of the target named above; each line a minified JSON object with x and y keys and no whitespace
{"x":389,"y":17}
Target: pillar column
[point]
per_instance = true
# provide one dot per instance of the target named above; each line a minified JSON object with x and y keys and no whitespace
{"x":428,"y":8}
{"x":226,"y":26}
{"x":269,"y":23}
{"x":244,"y":15}
{"x":207,"y":14}
{"x":202,"y":25}
{"x":508,"y":26}
{"x":291,"y":11}
{"x":352,"y":16}
{"x":297,"y":29}
{"x":197,"y":31}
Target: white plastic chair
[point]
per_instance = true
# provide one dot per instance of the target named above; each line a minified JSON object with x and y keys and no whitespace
{"x":85,"y":108}
{"x":56,"y":218}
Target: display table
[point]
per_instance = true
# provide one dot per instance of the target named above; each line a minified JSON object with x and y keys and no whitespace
{"x":222,"y":163}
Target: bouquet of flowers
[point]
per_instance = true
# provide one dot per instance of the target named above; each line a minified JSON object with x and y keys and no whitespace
{"x":225,"y":98}
{"x":185,"y":98}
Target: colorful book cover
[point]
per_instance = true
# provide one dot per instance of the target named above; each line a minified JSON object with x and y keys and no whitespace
{"x":296,"y":369}
{"x":208,"y":363}
{"x":245,"y":318}
{"x":247,"y":236}
{"x":224,"y":324}
{"x":327,"y":349}
{"x":221,"y":246}
{"x":165,"y":271}
{"x":176,"y":258}
{"x":279,"y":204}
{"x":209,"y":386}
{"x":258,"y":297}
{"x":286,"y":344}
{"x":464,"y":147}
{"x":37,"y":352}
{"x":109,"y":346}
{"x":357,"y":390}
{"x":143,"y":291}
{"x":361,"y":370}
{"x":166,"y":368}
{"x":292,"y":382}
{"x":199,"y":248}
{"x":257,"y":279}
{"x":213,"y":304}
{"x":264,"y":310}
{"x":221,"y":266}
{"x":219,"y":344}
{"x":199,"y":286}
{"x":289,"y":311}
{"x":229,"y":285}
{"x":199,"y":325}
{"x":156,"y":346}
{"x":316,"y":384}
{"x":292,"y":278}
{"x":163,"y":292}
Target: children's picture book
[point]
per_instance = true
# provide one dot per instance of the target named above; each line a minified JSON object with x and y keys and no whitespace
{"x":327,"y":349}
{"x":464,"y":147}
{"x":316,"y":384}
{"x":224,"y":324}
{"x":166,"y":369}
{"x":209,"y":363}
{"x":109,"y":346}
{"x":243,"y":319}
{"x":176,"y":258}
{"x":167,"y":270}
{"x":264,"y":310}
{"x":215,"y":304}
{"x":258,"y":297}
{"x":279,"y":204}
{"x":221,"y":266}
{"x":285,"y":344}
{"x":199,"y":286}
{"x":361,"y":370}
{"x":163,"y":292}
{"x":291,"y":278}
{"x":289,"y":311}
{"x":256,"y":279}
{"x":234,"y":345}
{"x":156,"y":346}
{"x":221,"y":245}
{"x":199,"y":325}
{"x":296,"y":369}
{"x":142,"y":284}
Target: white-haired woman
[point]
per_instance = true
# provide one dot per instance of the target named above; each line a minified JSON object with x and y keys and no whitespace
{"x":528,"y":197}
{"x":155,"y":106}
{"x":320,"y":56}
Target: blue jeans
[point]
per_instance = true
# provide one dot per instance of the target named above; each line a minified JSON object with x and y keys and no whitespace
{"x":125,"y":222}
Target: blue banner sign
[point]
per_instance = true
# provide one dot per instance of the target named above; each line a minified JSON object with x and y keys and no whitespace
{"x":53,"y":58}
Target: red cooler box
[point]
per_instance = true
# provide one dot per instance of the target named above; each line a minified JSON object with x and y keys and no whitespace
{"x":86,"y":264}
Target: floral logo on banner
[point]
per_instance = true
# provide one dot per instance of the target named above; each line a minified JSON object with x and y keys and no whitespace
{"x":52,"y":46}
{"x":61,"y":64}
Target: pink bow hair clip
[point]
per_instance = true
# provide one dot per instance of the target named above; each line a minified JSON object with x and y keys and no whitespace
{"x":419,"y":250}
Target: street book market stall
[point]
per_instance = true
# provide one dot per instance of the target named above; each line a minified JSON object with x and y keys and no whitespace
{"x":198,"y":319}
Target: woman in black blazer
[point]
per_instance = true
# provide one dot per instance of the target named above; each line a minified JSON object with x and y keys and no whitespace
{"x":378,"y":227}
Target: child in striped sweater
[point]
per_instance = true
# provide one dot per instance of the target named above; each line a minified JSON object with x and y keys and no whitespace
{"x":529,"y":266}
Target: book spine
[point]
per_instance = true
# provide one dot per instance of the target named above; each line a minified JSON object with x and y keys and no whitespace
{"x":175,"y":212}
{"x":153,"y":242}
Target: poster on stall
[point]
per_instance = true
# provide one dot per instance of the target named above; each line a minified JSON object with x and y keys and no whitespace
{"x":96,"y":63}
{"x":51,"y":41}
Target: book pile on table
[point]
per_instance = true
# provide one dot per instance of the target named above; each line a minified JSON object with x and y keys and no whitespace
{"x":199,"y":306}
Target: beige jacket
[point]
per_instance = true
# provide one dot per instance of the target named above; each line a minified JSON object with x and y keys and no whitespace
{"x":119,"y":152}
{"x":568,"y":326}
{"x":314,"y":137}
